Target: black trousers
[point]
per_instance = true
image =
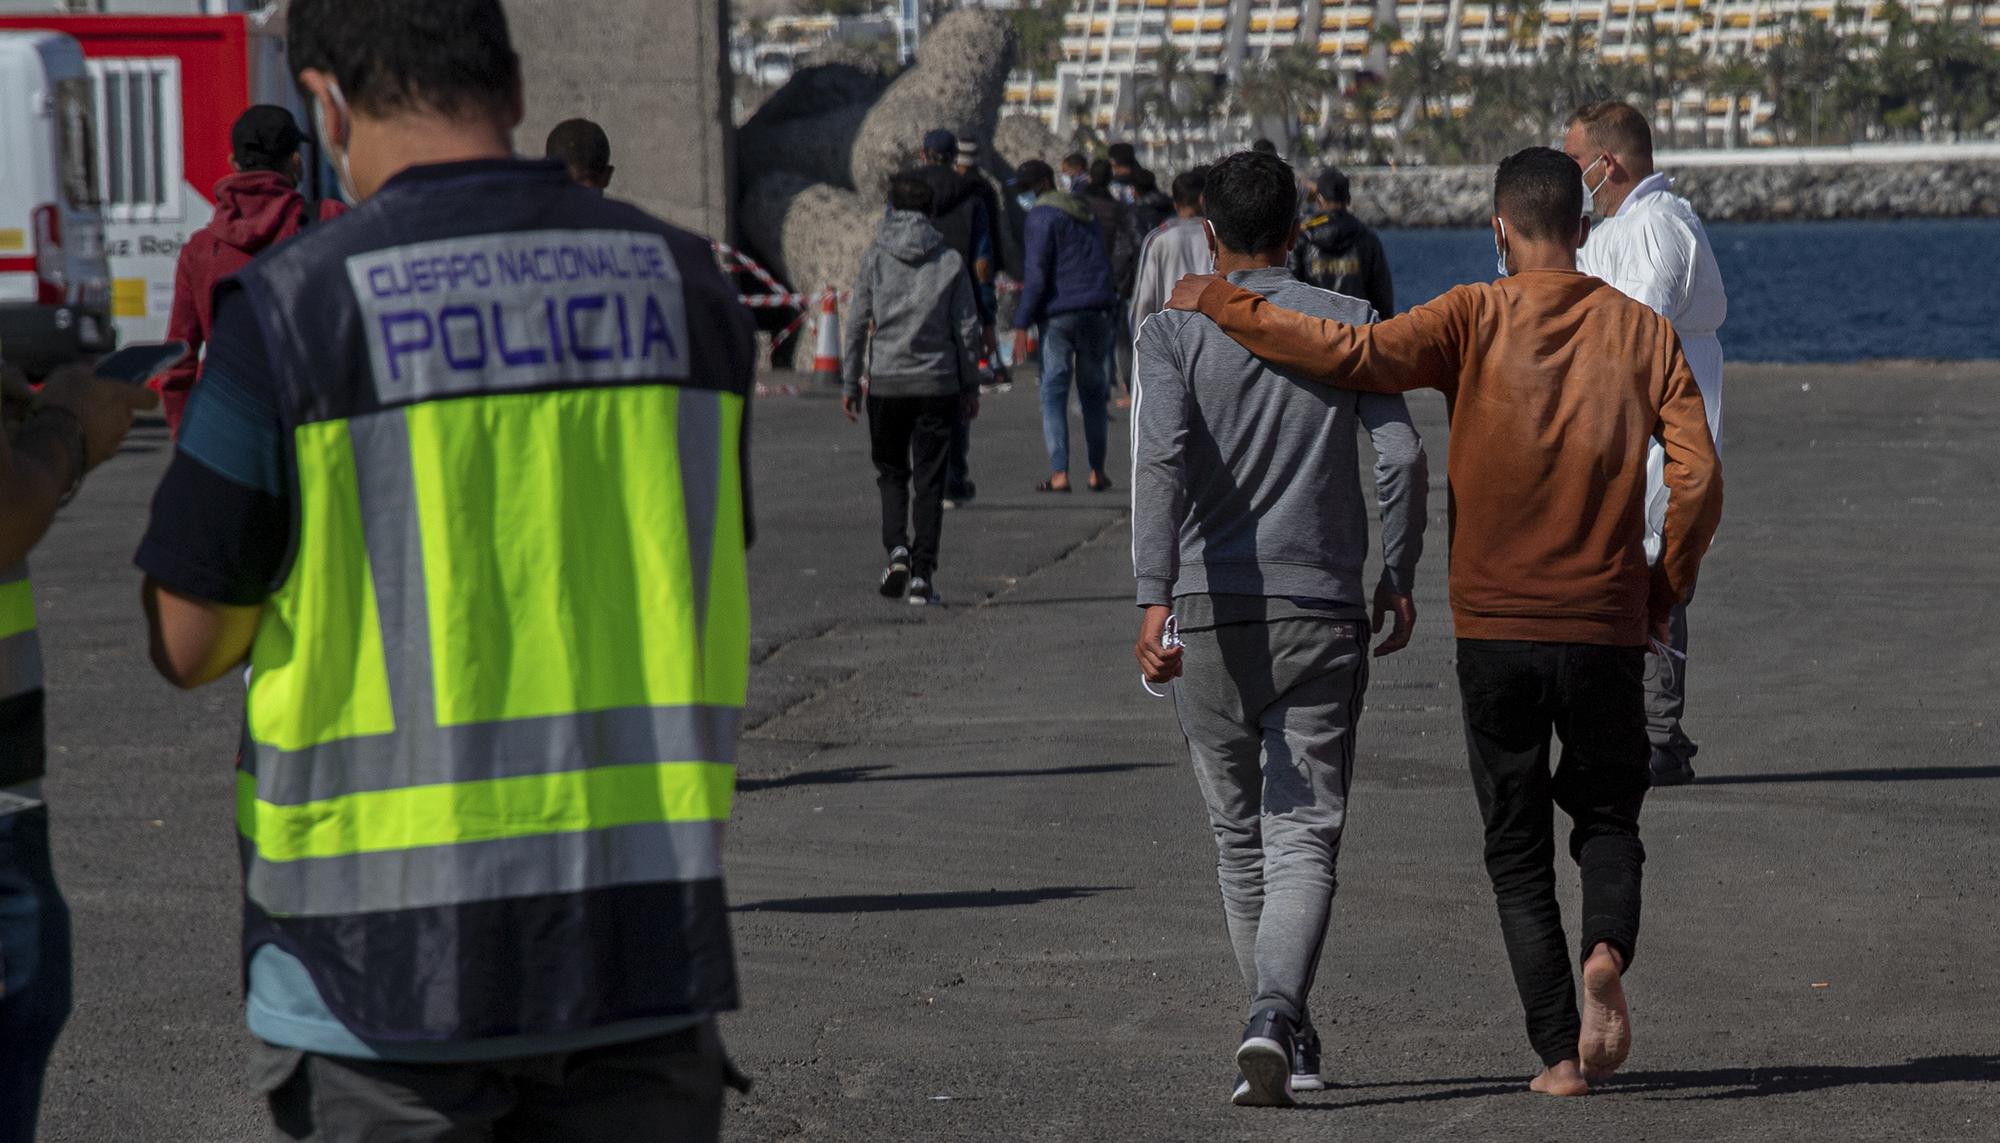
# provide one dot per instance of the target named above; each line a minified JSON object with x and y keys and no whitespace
{"x":1594,"y":699}
{"x":664,"y":1090}
{"x":910,"y":438}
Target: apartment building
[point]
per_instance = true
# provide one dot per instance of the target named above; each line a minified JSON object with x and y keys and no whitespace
{"x":1111,"y":48}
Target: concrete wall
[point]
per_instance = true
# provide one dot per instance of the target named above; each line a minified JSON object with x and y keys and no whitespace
{"x":655,"y":74}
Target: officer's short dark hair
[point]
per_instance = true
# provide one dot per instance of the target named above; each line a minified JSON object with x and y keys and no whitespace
{"x":1188,"y":186}
{"x":1264,"y":147}
{"x":909,"y":192}
{"x":581,"y":145}
{"x":1032,"y":174}
{"x":1251,"y":200}
{"x":1124,"y":154}
{"x":1539,"y":192}
{"x":452,"y":57}
{"x":264,"y":138}
{"x":1100,"y":173}
{"x":1332,"y":186}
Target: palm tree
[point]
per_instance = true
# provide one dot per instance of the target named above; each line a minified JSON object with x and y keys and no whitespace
{"x":1735,"y":77}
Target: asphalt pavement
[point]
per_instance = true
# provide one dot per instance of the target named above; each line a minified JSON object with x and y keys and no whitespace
{"x":974,"y":887}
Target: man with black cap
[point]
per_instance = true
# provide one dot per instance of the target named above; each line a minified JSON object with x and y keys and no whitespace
{"x":1338,"y":252}
{"x":960,"y":214}
{"x":257,"y":205}
{"x":585,"y":149}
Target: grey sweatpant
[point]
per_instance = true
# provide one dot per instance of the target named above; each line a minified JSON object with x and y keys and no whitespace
{"x":1666,"y":692}
{"x":1270,"y":710}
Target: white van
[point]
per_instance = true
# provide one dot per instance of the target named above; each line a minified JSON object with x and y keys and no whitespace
{"x":55,"y":284}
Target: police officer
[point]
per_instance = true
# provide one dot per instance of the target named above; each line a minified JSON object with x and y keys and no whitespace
{"x":51,"y":439}
{"x":464,"y":484}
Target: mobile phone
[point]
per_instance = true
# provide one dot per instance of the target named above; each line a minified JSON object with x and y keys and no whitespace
{"x":140,"y":363}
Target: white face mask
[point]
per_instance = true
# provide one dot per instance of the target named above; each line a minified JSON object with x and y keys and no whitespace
{"x":1500,"y":249}
{"x":343,"y":171}
{"x":1590,"y":192}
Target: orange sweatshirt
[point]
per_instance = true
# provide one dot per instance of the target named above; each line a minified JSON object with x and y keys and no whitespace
{"x":1555,"y":382}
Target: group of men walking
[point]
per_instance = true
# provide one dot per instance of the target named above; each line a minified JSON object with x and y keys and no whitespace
{"x":1585,"y":488}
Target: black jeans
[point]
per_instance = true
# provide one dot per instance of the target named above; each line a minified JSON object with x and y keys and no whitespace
{"x":664,"y":1090}
{"x":910,"y":438}
{"x":1594,"y":699}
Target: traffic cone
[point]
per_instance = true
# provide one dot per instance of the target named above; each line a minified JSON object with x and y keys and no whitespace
{"x":826,"y":342}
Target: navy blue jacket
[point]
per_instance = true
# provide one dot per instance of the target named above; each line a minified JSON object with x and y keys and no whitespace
{"x":1067,"y":268}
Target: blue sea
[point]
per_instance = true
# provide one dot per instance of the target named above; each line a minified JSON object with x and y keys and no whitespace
{"x":1799,"y":291}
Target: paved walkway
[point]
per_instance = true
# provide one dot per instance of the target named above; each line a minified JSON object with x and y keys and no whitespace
{"x":975,"y":895}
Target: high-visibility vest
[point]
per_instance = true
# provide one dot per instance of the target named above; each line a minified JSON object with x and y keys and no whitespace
{"x":21,"y":745}
{"x":492,"y":715}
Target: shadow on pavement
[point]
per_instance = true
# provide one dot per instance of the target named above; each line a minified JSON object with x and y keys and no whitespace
{"x":1875,"y":774}
{"x":842,"y":775}
{"x":910,"y":902}
{"x":1739,"y":1083}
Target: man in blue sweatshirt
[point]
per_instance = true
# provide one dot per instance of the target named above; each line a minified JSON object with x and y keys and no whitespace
{"x":1250,"y":527}
{"x":1067,"y":293}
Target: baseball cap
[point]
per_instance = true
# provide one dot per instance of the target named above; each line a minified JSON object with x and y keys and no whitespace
{"x":968,"y":152}
{"x":264,"y":136}
{"x":940,"y":142}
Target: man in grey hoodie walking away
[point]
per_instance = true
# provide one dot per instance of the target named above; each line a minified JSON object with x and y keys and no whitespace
{"x":1250,"y":529}
{"x":914,"y":337}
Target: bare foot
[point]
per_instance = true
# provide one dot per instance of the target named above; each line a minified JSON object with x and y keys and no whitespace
{"x":1607,"y":1023}
{"x":1564,"y":1079}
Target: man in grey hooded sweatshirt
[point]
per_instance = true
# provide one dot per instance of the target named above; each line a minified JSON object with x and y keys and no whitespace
{"x":914,"y":337}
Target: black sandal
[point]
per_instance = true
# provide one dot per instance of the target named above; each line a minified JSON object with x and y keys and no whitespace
{"x":1051,"y":486}
{"x":1100,"y":484}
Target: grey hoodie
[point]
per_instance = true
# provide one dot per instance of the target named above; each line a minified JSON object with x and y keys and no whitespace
{"x":912,"y":327}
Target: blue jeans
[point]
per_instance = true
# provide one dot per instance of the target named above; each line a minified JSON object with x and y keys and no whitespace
{"x":1074,"y":345}
{"x":34,"y":963}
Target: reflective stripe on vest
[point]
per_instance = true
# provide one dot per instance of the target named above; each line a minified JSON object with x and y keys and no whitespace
{"x":20,"y":648}
{"x":510,"y":658}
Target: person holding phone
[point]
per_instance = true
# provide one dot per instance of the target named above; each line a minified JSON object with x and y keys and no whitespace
{"x":52,"y":438}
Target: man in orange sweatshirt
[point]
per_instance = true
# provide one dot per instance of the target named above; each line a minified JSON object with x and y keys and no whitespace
{"x":1555,"y":382}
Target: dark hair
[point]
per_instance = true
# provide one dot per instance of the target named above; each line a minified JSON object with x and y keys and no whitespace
{"x":452,"y":57}
{"x":580,"y":144}
{"x":1145,"y":181}
{"x":1075,"y":159}
{"x":1539,"y":192}
{"x":1124,"y":155}
{"x":1332,"y":186}
{"x":264,"y":138}
{"x":1100,"y":174}
{"x":1251,"y":200}
{"x":909,"y":191}
{"x":1031,"y":174}
{"x":1188,"y":186}
{"x":1616,"y":126}
{"x":1264,"y":147}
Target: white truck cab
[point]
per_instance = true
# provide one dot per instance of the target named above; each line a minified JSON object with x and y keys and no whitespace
{"x":55,"y":283}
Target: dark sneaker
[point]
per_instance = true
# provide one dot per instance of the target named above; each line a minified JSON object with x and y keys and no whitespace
{"x":896,"y":577}
{"x":1671,"y":769}
{"x":1305,"y":1061}
{"x":960,"y":495}
{"x":1265,"y":1060}
{"x":922,"y":594}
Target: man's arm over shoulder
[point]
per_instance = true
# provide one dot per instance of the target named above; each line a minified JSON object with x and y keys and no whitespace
{"x":1159,"y":444}
{"x":1693,"y":479}
{"x":1419,"y":350}
{"x":1402,"y":486}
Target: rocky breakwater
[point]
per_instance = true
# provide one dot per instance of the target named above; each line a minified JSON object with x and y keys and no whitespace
{"x":814,"y":163}
{"x":1749,"y":192}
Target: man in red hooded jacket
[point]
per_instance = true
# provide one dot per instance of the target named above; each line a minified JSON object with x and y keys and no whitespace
{"x":256,"y":207}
